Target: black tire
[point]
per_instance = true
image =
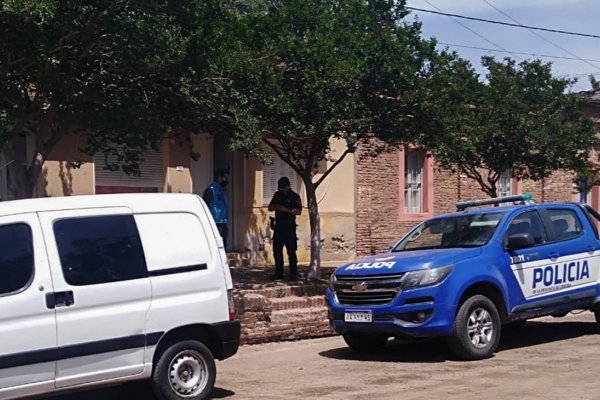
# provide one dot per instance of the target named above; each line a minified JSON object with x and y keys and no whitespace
{"x":187,"y":355}
{"x":597,"y":315}
{"x":484,"y":341}
{"x":365,"y":342}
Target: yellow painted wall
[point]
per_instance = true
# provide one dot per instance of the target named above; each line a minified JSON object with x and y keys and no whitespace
{"x":176,"y":161}
{"x":60,"y":175}
{"x":336,"y":205}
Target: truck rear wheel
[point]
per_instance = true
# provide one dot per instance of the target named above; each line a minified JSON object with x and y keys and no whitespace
{"x":476,"y":329}
{"x":597,"y":315}
{"x":365,"y":342}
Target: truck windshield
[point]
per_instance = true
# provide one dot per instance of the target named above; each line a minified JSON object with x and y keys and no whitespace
{"x":459,"y":231}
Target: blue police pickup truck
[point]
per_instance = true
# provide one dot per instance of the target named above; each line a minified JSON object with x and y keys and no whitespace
{"x":468,"y":274}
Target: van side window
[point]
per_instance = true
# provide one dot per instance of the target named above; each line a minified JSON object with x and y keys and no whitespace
{"x":528,"y":222}
{"x":173,"y":240}
{"x":96,"y":250}
{"x":16,"y":258}
{"x":565,"y":223}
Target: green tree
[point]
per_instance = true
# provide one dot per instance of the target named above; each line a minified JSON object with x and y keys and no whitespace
{"x":308,"y":72}
{"x":116,"y":71}
{"x":520,"y":120}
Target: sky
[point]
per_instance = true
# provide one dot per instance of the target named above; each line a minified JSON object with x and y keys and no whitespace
{"x":581,"y":16}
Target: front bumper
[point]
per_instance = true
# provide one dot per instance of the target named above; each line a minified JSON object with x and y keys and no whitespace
{"x":228,"y":338}
{"x":394,"y":318}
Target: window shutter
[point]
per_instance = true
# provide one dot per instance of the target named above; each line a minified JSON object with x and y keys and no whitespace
{"x":413,"y":182}
{"x":505,"y":184}
{"x":276,"y":169}
{"x":150,"y":168}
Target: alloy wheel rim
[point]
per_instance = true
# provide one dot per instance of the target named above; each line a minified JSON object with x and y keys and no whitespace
{"x":480,"y":328}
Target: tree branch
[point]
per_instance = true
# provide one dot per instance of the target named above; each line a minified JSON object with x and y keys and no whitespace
{"x":280,"y":152}
{"x":335,"y":164}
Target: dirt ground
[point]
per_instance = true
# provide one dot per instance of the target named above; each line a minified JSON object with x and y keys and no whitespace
{"x":548,"y":359}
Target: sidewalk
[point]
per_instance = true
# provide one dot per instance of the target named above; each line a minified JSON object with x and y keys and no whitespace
{"x":277,"y":311}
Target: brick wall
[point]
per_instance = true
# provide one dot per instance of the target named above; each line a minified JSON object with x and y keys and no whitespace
{"x":378,"y":196}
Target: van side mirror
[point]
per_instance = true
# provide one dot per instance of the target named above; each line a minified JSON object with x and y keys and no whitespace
{"x":520,"y":241}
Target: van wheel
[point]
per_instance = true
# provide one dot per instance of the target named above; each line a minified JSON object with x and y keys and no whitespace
{"x":476,"y":329}
{"x":364,"y":342}
{"x":186,"y":370}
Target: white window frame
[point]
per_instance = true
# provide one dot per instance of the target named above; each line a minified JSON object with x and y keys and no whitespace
{"x":505,"y":184}
{"x":414,"y":172}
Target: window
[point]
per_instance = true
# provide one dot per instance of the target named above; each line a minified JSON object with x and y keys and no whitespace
{"x":565,"y":223}
{"x":180,"y":241}
{"x":413,"y":182}
{"x":16,"y":258}
{"x":505,"y":184}
{"x":416,"y":185}
{"x":272,"y":171}
{"x":108,"y":181}
{"x":528,"y":222}
{"x":96,"y":250}
{"x":465,"y":231}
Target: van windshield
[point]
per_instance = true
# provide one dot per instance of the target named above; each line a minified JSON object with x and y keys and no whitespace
{"x":459,"y":231}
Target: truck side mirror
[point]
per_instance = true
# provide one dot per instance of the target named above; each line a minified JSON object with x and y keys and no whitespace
{"x":520,"y":241}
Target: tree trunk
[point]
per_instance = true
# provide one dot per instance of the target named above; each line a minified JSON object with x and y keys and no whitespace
{"x":22,"y":177}
{"x":314,"y":271}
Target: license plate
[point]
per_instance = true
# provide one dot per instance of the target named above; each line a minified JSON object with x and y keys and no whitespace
{"x":358,"y":316}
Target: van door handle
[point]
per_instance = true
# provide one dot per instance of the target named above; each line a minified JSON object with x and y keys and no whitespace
{"x":59,"y":299}
{"x":554,"y":256}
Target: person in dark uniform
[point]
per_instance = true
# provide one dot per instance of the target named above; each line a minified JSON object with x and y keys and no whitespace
{"x":216,"y":198}
{"x":286,"y":204}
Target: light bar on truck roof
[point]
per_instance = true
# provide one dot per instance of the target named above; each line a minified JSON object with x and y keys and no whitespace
{"x":523,"y":199}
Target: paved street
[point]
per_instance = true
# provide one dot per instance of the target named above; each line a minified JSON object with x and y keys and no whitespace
{"x":548,"y":359}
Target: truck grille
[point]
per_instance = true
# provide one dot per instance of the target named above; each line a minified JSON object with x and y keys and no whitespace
{"x":367,"y":290}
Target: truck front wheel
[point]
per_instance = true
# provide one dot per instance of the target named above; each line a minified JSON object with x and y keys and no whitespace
{"x":476,"y":329}
{"x":365,"y":342}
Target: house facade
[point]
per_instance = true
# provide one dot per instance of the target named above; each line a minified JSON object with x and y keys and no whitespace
{"x":68,"y":171}
{"x":367,"y":203}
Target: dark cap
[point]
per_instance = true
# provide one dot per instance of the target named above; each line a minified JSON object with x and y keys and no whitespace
{"x":283,"y":183}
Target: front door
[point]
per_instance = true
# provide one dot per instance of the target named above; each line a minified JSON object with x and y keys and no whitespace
{"x":524,"y":262}
{"x":101,"y":293}
{"x":27,"y":327}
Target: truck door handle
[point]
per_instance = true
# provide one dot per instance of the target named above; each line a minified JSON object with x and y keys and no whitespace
{"x":554,"y":256}
{"x":59,"y":299}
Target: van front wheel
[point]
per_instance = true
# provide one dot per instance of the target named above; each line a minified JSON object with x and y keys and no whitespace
{"x":186,"y":370}
{"x":476,"y":329}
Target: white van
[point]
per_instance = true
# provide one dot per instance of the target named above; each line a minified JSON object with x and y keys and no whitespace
{"x":97,"y":290}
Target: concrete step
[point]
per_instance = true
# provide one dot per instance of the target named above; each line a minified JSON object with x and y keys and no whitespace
{"x":293,"y":324}
{"x":295,"y":302}
{"x":238,"y":259}
{"x":280,"y":291}
{"x":298,"y":316}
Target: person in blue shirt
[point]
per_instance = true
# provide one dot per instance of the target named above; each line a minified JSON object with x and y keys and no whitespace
{"x":216,"y":198}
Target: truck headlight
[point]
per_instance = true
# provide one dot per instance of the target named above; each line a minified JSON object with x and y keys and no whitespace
{"x":425,"y":277}
{"x":332,"y":281}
